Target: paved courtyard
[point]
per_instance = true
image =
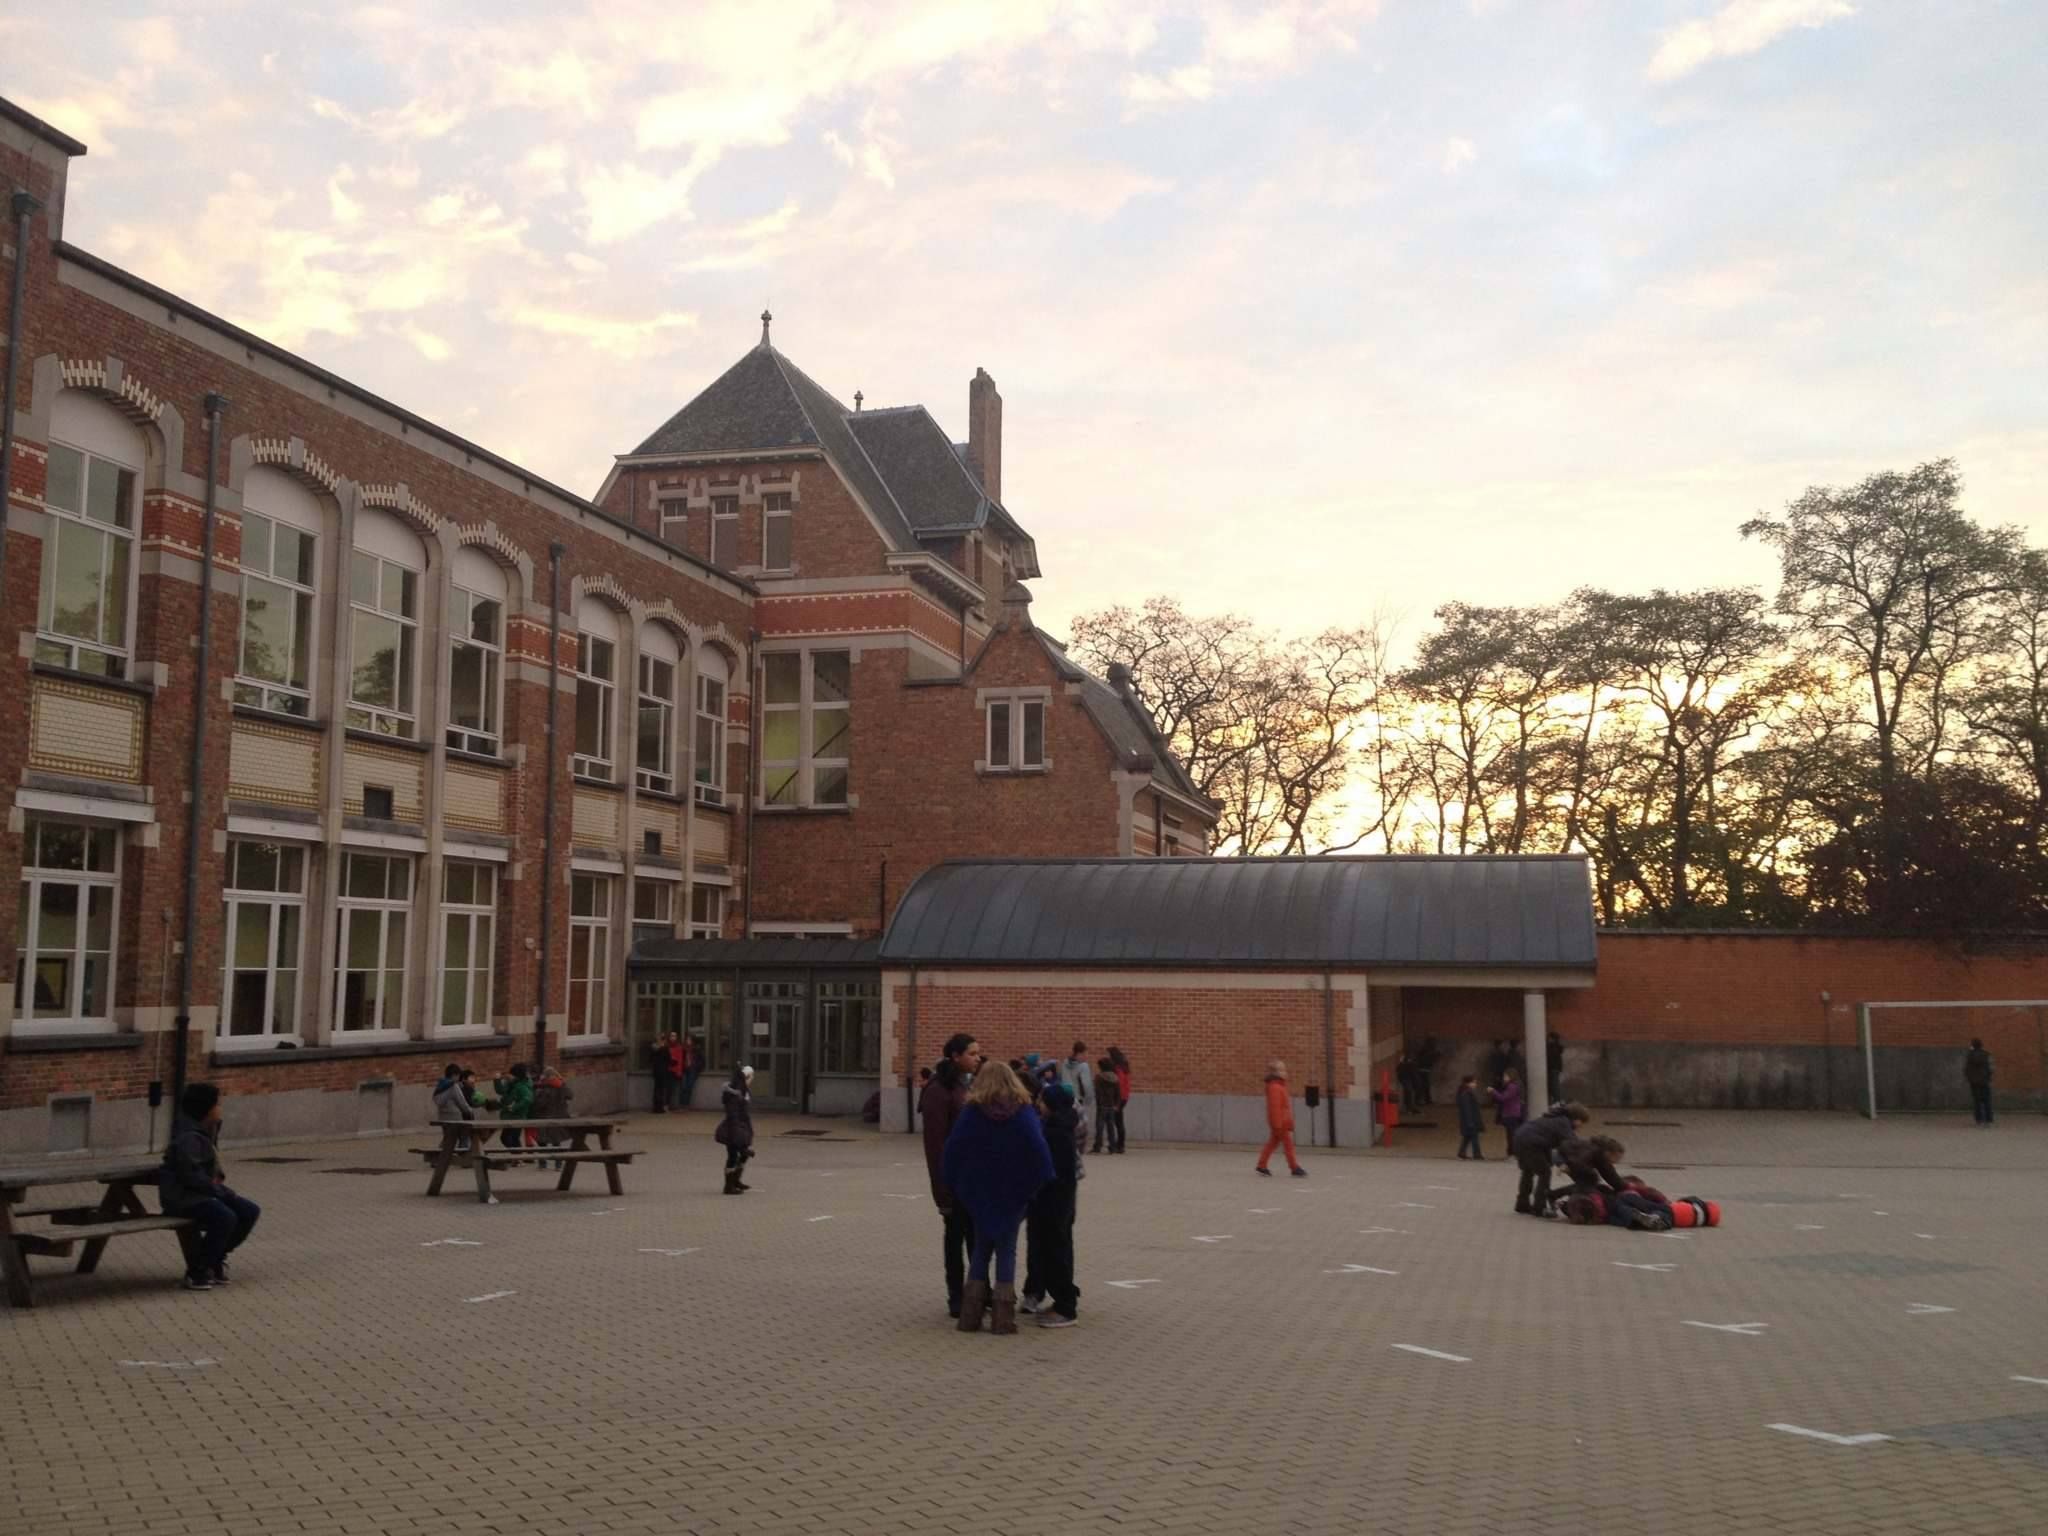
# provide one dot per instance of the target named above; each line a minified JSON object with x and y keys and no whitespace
{"x":1380,"y":1346}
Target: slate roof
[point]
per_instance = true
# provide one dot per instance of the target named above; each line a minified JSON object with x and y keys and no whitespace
{"x":931,"y":484}
{"x":1505,"y":912}
{"x":750,"y":405}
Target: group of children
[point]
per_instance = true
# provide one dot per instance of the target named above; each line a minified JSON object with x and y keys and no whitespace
{"x":520,"y":1095}
{"x":1509,"y":1113}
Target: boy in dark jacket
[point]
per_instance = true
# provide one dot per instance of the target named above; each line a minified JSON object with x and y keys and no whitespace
{"x":938,"y":1106}
{"x":1977,"y":1073}
{"x":190,"y":1183}
{"x":1052,"y":1209}
{"x":1534,"y":1146}
{"x":1109,"y":1098}
{"x":1471,"y":1118}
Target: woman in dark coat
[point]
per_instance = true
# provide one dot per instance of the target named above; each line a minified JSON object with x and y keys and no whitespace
{"x":736,"y":1131}
{"x":996,"y":1160}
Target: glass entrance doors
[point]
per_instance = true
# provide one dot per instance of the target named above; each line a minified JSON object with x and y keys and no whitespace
{"x":773,"y":1044}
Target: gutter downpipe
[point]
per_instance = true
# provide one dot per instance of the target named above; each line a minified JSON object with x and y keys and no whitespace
{"x":195,"y":815}
{"x":24,"y":206}
{"x":547,"y":826}
{"x":754,"y":680}
{"x":1330,"y":1055}
{"x":910,"y":1059}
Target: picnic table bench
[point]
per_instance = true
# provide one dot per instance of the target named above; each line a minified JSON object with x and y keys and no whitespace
{"x":486,"y":1152}
{"x":118,"y":1213}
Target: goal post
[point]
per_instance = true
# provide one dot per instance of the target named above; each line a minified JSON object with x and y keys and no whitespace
{"x":2015,"y":1013}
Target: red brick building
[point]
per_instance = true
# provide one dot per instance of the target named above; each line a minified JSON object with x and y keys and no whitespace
{"x":791,"y":663}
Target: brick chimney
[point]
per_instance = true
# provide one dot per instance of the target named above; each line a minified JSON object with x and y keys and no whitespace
{"x":985,"y":433}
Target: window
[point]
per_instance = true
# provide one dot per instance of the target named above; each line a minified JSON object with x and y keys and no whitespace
{"x":590,"y":935}
{"x":1016,"y":734}
{"x":266,"y":914}
{"x":654,"y":734}
{"x":698,"y":1010}
{"x":88,"y":548}
{"x":274,"y":666}
{"x":710,"y":740}
{"x":707,"y":911}
{"x":806,"y":725}
{"x":777,"y":525}
{"x":597,"y":660}
{"x":376,"y":899}
{"x":384,"y":621}
{"x":469,"y":906}
{"x":654,"y":910}
{"x":725,"y":531}
{"x":675,"y":520}
{"x":850,"y":1027}
{"x":64,"y":944}
{"x":476,"y":660}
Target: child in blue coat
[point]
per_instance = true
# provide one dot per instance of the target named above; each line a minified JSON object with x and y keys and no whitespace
{"x":996,"y":1160}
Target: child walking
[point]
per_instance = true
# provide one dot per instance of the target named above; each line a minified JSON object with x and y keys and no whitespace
{"x":1508,"y":1109}
{"x":1052,"y":1208}
{"x":1471,"y":1118}
{"x":1279,"y":1121}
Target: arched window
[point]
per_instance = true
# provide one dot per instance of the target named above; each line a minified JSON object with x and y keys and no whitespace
{"x":654,"y":738}
{"x":384,"y":621}
{"x":710,"y":754}
{"x":476,"y":661}
{"x":597,"y":678}
{"x":281,"y":525}
{"x":94,"y":496}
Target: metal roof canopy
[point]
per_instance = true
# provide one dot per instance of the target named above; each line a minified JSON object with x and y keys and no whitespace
{"x":1477,"y":912}
{"x":751,"y":954}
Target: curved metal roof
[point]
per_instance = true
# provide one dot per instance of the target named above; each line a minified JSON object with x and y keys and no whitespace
{"x":1525,"y":912}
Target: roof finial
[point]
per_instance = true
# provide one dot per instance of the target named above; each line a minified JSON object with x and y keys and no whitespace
{"x":765,"y":318}
{"x":857,"y":398}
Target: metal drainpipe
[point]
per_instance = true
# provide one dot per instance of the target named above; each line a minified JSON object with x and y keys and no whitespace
{"x":1330,"y":1055}
{"x":753,"y":776}
{"x":547,"y":829}
{"x":24,"y":206}
{"x":910,"y":1058}
{"x":216,"y":404}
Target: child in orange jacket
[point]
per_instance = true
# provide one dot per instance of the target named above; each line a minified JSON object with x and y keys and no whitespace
{"x":1279,"y":1121}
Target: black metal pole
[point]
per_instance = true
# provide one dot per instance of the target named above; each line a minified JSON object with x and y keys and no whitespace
{"x":1330,"y":1055}
{"x":195,"y":817}
{"x":547,"y":833}
{"x":23,"y":206}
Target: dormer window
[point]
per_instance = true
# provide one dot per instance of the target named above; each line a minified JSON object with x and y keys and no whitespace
{"x":1014,"y":738}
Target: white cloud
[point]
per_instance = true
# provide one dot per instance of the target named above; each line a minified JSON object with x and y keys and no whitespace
{"x":343,"y":208}
{"x":621,"y":201}
{"x":631,"y":338}
{"x":1245,"y":43}
{"x":1458,"y":153}
{"x":1739,"y":27}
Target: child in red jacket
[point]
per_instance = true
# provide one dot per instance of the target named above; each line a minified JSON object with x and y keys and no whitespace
{"x":1279,"y":1121}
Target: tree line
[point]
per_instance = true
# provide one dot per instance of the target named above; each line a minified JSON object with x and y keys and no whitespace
{"x":1867,"y":747}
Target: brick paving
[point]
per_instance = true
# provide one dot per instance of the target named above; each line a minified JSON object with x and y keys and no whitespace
{"x":788,"y":1374}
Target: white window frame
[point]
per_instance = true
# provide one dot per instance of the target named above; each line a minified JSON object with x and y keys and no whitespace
{"x":707,"y":747}
{"x":659,"y":895}
{"x":707,"y":917}
{"x":478,"y":919}
{"x":605,"y":688}
{"x":277,"y":900}
{"x":778,"y":506}
{"x":590,"y":941}
{"x":802,"y":775}
{"x":68,"y":651}
{"x":362,"y":715}
{"x":675,"y":525}
{"x":1015,"y":709}
{"x":725,"y":526}
{"x":261,"y":693}
{"x":386,"y":907}
{"x":659,"y":777}
{"x":487,"y":741}
{"x":34,"y":879}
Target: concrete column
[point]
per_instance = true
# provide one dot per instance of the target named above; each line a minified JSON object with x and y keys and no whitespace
{"x":1535,"y":1040}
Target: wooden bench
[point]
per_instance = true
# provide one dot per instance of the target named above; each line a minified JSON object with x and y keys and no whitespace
{"x":485,"y":1152}
{"x":119,"y":1213}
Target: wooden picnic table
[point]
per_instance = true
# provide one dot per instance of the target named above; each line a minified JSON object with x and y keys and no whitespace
{"x":119,"y":1213}
{"x":486,"y":1152}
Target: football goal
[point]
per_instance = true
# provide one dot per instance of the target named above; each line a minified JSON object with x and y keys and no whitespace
{"x":1913,"y":1053}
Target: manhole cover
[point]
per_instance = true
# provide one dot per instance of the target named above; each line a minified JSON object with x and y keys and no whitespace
{"x":1872,"y":1266}
{"x":273,"y":1159}
{"x":368,"y":1173}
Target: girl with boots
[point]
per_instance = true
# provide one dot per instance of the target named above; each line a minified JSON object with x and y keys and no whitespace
{"x":736,"y":1131}
{"x":996,"y":1160}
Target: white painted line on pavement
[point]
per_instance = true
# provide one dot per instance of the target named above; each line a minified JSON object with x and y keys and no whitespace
{"x":1447,"y":1188}
{"x":1747,"y":1330}
{"x":1360,"y":1269}
{"x":1263,"y":1210}
{"x":1821,"y":1434}
{"x":490,"y":1296}
{"x":1434,"y":1354}
{"x":902,"y":1197}
{"x":1929,"y":1236}
{"x":1880,"y":1213}
{"x":1221,"y":1237}
{"x":1924,"y":1309}
{"x":1397,"y":1231}
{"x":452,"y":1242}
{"x":2038,"y":1381}
{"x":1662,"y":1269}
{"x":819,"y":1218}
{"x":1412,"y":1205}
{"x":200,"y":1364}
{"x":608,"y":1210}
{"x":1855,"y":1197}
{"x":672,"y":1253}
{"x":1129,"y":1285}
{"x":1809,"y":1226}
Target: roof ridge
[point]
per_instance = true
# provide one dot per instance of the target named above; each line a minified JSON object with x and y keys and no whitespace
{"x":786,"y":367}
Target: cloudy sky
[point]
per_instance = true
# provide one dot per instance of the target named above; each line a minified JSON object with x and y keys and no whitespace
{"x":1303,"y":309}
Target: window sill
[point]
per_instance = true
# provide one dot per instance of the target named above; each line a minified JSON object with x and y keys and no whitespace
{"x":273,"y":717}
{"x":379,"y":739}
{"x":256,"y":1045}
{"x":94,"y":679}
{"x":481,"y":759}
{"x":718,"y":803}
{"x":36,"y":1043}
{"x":665,"y":796}
{"x":761,"y":807}
{"x":587,"y":782}
{"x":354,"y":1049}
{"x":1037,"y":772}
